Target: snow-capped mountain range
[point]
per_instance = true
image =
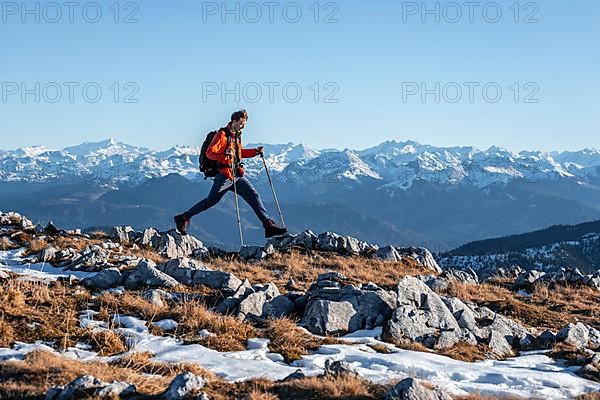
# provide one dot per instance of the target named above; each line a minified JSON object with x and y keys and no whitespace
{"x":393,"y":165}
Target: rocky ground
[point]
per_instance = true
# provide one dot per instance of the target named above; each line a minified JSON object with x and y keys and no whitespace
{"x":126,"y":314}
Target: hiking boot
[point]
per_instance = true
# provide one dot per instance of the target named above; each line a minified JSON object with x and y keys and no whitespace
{"x":182,"y":223}
{"x":273,"y":230}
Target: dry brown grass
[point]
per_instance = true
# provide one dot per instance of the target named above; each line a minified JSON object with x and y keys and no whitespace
{"x":7,"y":244}
{"x":7,"y":334}
{"x":572,"y":355}
{"x":42,"y":370}
{"x":466,"y":352}
{"x":37,"y":245}
{"x":128,"y":303}
{"x":230,"y":334}
{"x":287,"y":339}
{"x":105,"y":342}
{"x":77,"y":243}
{"x":590,"y":396}
{"x":147,"y":253}
{"x":548,"y":307}
{"x":37,"y":311}
{"x":142,"y":363}
{"x":338,"y":387}
{"x":304,"y":269}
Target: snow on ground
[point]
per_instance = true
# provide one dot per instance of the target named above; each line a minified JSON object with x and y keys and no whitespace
{"x":12,"y":260}
{"x":531,"y":375}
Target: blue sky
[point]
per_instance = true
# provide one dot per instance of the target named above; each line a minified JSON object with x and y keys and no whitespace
{"x":367,"y":61}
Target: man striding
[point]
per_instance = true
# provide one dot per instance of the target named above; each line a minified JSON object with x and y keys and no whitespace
{"x":226,"y":149}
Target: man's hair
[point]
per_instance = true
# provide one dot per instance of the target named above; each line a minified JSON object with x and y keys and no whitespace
{"x":236,"y":116}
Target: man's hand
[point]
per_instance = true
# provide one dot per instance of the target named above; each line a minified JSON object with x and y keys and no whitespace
{"x":229,"y":153}
{"x":260,"y":151}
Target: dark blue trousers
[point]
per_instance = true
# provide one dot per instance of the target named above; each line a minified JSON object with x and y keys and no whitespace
{"x":222,"y":185}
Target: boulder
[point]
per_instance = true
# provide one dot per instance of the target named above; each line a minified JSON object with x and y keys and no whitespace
{"x":105,"y":279}
{"x":280,"y":306}
{"x":121,"y":233}
{"x":422,"y":256}
{"x":173,"y":245}
{"x":592,"y":280}
{"x":436,"y":322}
{"x":4,"y":275}
{"x":93,"y":258}
{"x":252,"y":253}
{"x":511,"y":272}
{"x":87,"y":386}
{"x":564,"y":276}
{"x":334,"y":306}
{"x":388,"y":253}
{"x":420,"y":315}
{"x":158,"y":297}
{"x":182,"y":269}
{"x":51,"y":229}
{"x":252,"y":307}
{"x":185,"y":386}
{"x":324,"y":317}
{"x":575,"y":334}
{"x":48,"y":254}
{"x":146,"y":275}
{"x":527,"y":279}
{"x":463,"y":276}
{"x":411,"y":389}
{"x":231,"y":303}
{"x":339,"y":368}
{"x":594,"y":337}
{"x":225,"y":281}
{"x":299,"y":374}
{"x":149,"y":236}
{"x":332,"y":242}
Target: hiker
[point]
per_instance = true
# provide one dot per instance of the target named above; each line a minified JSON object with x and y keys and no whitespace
{"x":224,"y":150}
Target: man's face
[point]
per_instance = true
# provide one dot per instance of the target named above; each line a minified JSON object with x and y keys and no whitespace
{"x":239,"y":125}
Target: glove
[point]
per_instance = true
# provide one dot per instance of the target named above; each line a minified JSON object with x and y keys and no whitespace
{"x":260,"y":151}
{"x":228,"y":153}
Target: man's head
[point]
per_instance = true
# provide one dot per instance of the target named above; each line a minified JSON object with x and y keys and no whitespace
{"x":238,"y":121}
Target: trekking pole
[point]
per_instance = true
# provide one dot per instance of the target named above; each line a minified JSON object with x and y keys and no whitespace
{"x":237,"y":205}
{"x":273,"y":189}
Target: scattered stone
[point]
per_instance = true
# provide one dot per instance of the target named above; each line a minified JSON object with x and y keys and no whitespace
{"x":166,"y":325}
{"x":411,"y":389}
{"x":339,"y":368}
{"x":48,"y":254}
{"x":252,"y":253}
{"x":422,"y":256}
{"x":225,"y":281}
{"x":87,"y":386}
{"x":121,"y":233}
{"x":157,"y":297}
{"x":527,"y":279}
{"x":329,"y":241}
{"x":105,"y":279}
{"x":575,"y":334}
{"x":334,"y":306}
{"x":299,"y":374}
{"x":388,"y":253}
{"x":182,"y":269}
{"x":173,"y":245}
{"x":253,"y":306}
{"x":463,"y":276}
{"x":184,"y":386}
{"x":4,"y":275}
{"x":146,"y":275}
{"x":51,"y":229}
